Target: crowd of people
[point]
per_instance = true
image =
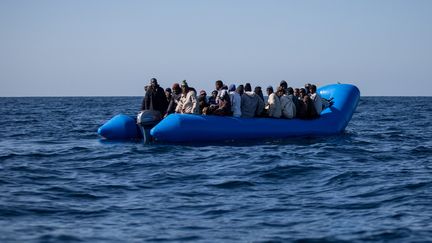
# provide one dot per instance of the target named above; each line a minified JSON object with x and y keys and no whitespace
{"x":240,"y":101}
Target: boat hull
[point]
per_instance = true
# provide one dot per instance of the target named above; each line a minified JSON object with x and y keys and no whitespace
{"x":178,"y":128}
{"x":193,"y":128}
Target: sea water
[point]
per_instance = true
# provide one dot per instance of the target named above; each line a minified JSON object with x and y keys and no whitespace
{"x":59,"y":182}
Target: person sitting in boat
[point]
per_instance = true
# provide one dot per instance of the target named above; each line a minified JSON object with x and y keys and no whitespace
{"x":251,"y":104}
{"x":297,"y":93}
{"x":316,"y":98}
{"x":202,"y":101}
{"x":188,"y":103}
{"x":290,"y":94}
{"x":284,"y":85}
{"x":289,"y":109}
{"x":306,"y":88}
{"x":212,"y":99}
{"x":307,"y":109}
{"x":224,"y":106}
{"x":302,"y":94}
{"x":259,"y":92}
{"x":155,"y":98}
{"x":273,"y":107}
{"x":168,"y":94}
{"x":219,"y":85}
{"x":175,"y":98}
{"x":235,"y":98}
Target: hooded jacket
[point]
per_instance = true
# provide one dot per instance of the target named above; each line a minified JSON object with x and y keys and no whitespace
{"x":251,"y":105}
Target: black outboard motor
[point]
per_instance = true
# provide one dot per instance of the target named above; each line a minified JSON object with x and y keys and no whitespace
{"x":146,"y":120}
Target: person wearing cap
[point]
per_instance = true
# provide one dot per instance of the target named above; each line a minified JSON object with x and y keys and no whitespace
{"x":202,"y":101}
{"x":175,"y":98}
{"x":235,"y":101}
{"x":155,"y":98}
{"x":188,"y":103}
{"x":273,"y":107}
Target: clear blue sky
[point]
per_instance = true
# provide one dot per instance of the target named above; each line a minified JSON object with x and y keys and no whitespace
{"x":85,"y":47}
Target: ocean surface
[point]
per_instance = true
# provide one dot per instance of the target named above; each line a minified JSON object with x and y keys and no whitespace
{"x":59,"y":182}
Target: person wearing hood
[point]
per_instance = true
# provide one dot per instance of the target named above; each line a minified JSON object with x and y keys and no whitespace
{"x":259,"y":92}
{"x":251,"y":104}
{"x":316,"y":98}
{"x":273,"y":106}
{"x":155,"y":98}
{"x":235,"y":101}
{"x":188,"y":103}
{"x":288,"y":107}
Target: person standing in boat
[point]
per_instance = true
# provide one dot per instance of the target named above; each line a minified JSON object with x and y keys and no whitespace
{"x":188,"y":103}
{"x":155,"y":98}
{"x":316,"y":98}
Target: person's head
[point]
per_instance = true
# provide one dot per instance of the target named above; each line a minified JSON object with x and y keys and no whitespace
{"x":247,"y":87}
{"x":240,"y":89}
{"x":297,"y":92}
{"x":280,"y":91}
{"x":176,"y":88}
{"x":218,"y":84}
{"x":168,"y":92}
{"x":269,"y":90}
{"x":184,"y":87}
{"x":283,"y":84}
{"x":312,"y":89}
{"x":290,"y":91}
{"x":307,"y":86}
{"x":302,"y":93}
{"x":258,"y":90}
{"x":203,"y":93}
{"x":224,"y":87}
{"x":153,"y":83}
{"x":214,"y":93}
{"x":232,"y":87}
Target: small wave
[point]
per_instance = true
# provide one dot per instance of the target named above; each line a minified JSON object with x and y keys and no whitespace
{"x":232,"y":184}
{"x":346,"y":177}
{"x":287,"y":171}
{"x":59,"y":238}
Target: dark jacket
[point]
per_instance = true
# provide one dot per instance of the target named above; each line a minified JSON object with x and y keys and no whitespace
{"x":173,"y":103}
{"x":155,"y":99}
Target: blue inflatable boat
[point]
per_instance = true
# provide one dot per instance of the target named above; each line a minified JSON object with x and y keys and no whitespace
{"x":177,"y":128}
